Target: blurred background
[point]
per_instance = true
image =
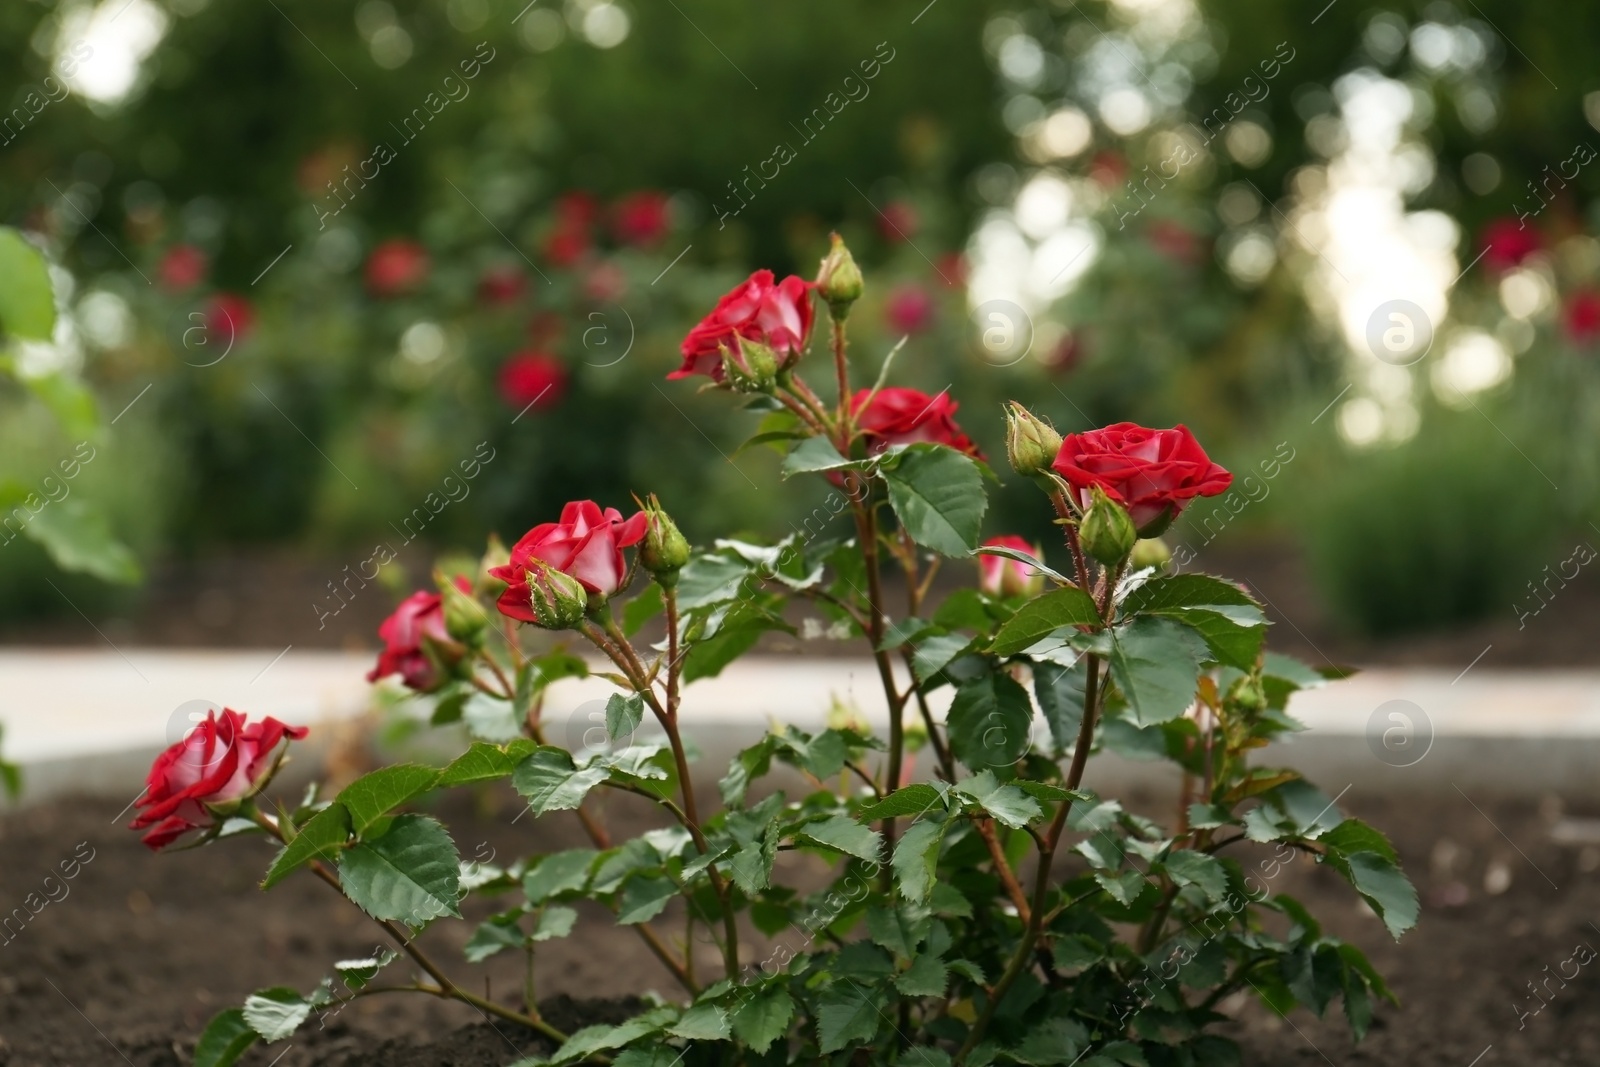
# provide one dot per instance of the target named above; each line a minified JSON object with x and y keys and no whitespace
{"x":315,"y":262}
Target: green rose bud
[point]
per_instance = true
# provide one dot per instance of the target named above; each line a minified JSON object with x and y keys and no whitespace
{"x":664,"y":550}
{"x":559,"y":601}
{"x":752,"y":369}
{"x":1106,"y":532}
{"x":1031,"y":443}
{"x":1247,"y":694}
{"x":839,"y":279}
{"x":1150,"y":552}
{"x":464,"y":617}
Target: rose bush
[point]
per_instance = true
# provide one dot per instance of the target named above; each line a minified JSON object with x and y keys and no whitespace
{"x":998,"y":911}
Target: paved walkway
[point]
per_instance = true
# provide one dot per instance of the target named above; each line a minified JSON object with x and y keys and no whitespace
{"x":90,"y":720}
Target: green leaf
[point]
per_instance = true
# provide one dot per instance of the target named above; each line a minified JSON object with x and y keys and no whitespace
{"x":989,"y":721}
{"x":642,"y":608}
{"x":592,"y":1039}
{"x":764,"y":1017}
{"x":934,"y":654}
{"x":712,"y":579}
{"x":846,"y":1015}
{"x":69,"y":400}
{"x":484,"y":762}
{"x":78,"y":538}
{"x":489,"y":718}
{"x":550,"y":782}
{"x":1042,"y":616}
{"x":1025,"y":557}
{"x":623,"y":715}
{"x":938,"y":495}
{"x":276,"y":1013}
{"x":746,"y":767}
{"x":896,"y":930}
{"x":1060,"y":692}
{"x":27,"y":302}
{"x":374,"y":795}
{"x":1052,"y":1043}
{"x":735,"y":635}
{"x":495,"y":934}
{"x":907,"y":800}
{"x":322,"y":837}
{"x":814,"y":454}
{"x":1156,"y":663}
{"x":556,"y":920}
{"x":927,"y":977}
{"x":1007,"y":803}
{"x":411,"y":873}
{"x":751,"y":866}
{"x":843,"y":834}
{"x":643,"y":897}
{"x":1188,"y":867}
{"x":904,"y":632}
{"x":703,"y":1022}
{"x":1185,"y":591}
{"x":561,"y":872}
{"x":916,"y":856}
{"x":1382,"y":885}
{"x":224,"y":1040}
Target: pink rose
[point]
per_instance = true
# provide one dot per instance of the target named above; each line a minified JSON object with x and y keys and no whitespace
{"x":1000,"y":576}
{"x":1152,"y":473}
{"x":777,"y":314}
{"x":901,"y":416}
{"x":219,"y":761}
{"x":587,"y":544}
{"x":415,"y":640}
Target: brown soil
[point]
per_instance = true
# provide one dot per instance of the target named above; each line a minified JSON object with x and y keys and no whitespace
{"x":144,"y":949}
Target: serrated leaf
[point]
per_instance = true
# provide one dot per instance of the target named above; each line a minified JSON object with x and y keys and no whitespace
{"x":764,"y":1017}
{"x":711,"y":579}
{"x":1188,"y":867}
{"x":592,"y":1039}
{"x":916,"y":856}
{"x":846,"y":1014}
{"x":550,"y":782}
{"x":1060,"y":692}
{"x":555,"y":921}
{"x":276,"y":1013}
{"x":561,"y":872}
{"x":322,"y":837}
{"x":1052,"y":1043}
{"x":989,"y":721}
{"x":411,"y":873}
{"x":226,"y":1037}
{"x":489,"y":718}
{"x":703,"y":1022}
{"x":843,"y":834}
{"x":1156,"y":663}
{"x":1005,"y":802}
{"x":892,"y":928}
{"x":1382,"y":885}
{"x":927,"y":977}
{"x":374,"y":795}
{"x":483,"y":762}
{"x":494,"y":935}
{"x":1124,"y":888}
{"x":938,"y":495}
{"x":643,"y":897}
{"x":814,"y":454}
{"x":1042,"y":616}
{"x":623,"y":715}
{"x":933,"y":654}
{"x":908,"y":800}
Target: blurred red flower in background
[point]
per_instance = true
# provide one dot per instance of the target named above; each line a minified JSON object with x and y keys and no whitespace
{"x":229,"y":318}
{"x":1506,"y":243}
{"x":533,"y":377}
{"x":640,"y":219}
{"x":1175,"y":241}
{"x":501,"y":285}
{"x":396,"y":267}
{"x":909,"y":310}
{"x":1582,"y":316}
{"x":898,"y":221}
{"x":182,"y":267}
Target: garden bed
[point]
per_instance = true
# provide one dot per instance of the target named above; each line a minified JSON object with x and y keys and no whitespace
{"x":143,"y":949}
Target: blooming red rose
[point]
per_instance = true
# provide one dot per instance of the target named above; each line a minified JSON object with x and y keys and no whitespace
{"x":778,"y":314}
{"x":396,"y":267}
{"x":587,"y":544}
{"x":1152,"y":473}
{"x":500,"y":285}
{"x":898,"y":221}
{"x":909,"y":310}
{"x":183,"y":267}
{"x":901,"y":416}
{"x":1000,"y":576}
{"x":1582,"y":316}
{"x":416,"y":627}
{"x":535,"y":378}
{"x":229,"y":318}
{"x":1506,"y":243}
{"x":218,"y":761}
{"x":640,"y":219}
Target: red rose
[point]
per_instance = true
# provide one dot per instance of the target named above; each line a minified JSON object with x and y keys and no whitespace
{"x":1582,"y":316}
{"x":219,"y":761}
{"x":414,"y":630}
{"x":577,"y":210}
{"x":1152,"y":473}
{"x":396,"y":267}
{"x":898,"y":221}
{"x":500,"y":285}
{"x":229,"y":318}
{"x":535,"y":378}
{"x":566,"y":244}
{"x":1000,"y":576}
{"x":1506,"y":243}
{"x":758,"y":309}
{"x":900,"y":416}
{"x":587,"y":544}
{"x":183,"y":267}
{"x":909,"y":310}
{"x":640,"y":219}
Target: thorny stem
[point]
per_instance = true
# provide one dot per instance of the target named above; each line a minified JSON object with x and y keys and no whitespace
{"x":1008,"y":878}
{"x":841,"y":365}
{"x":669,"y":595}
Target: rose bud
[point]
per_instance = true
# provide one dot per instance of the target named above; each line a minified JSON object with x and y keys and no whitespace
{"x":664,"y":551}
{"x":217,"y":765}
{"x":1105,"y":531}
{"x":754,"y":369}
{"x":839,"y":279}
{"x":1152,"y":473}
{"x":417,"y":643}
{"x":586,"y":545}
{"x":464,"y":617}
{"x":1150,"y":552}
{"x":1031,"y":443}
{"x":557,"y":600}
{"x":1005,"y":577}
